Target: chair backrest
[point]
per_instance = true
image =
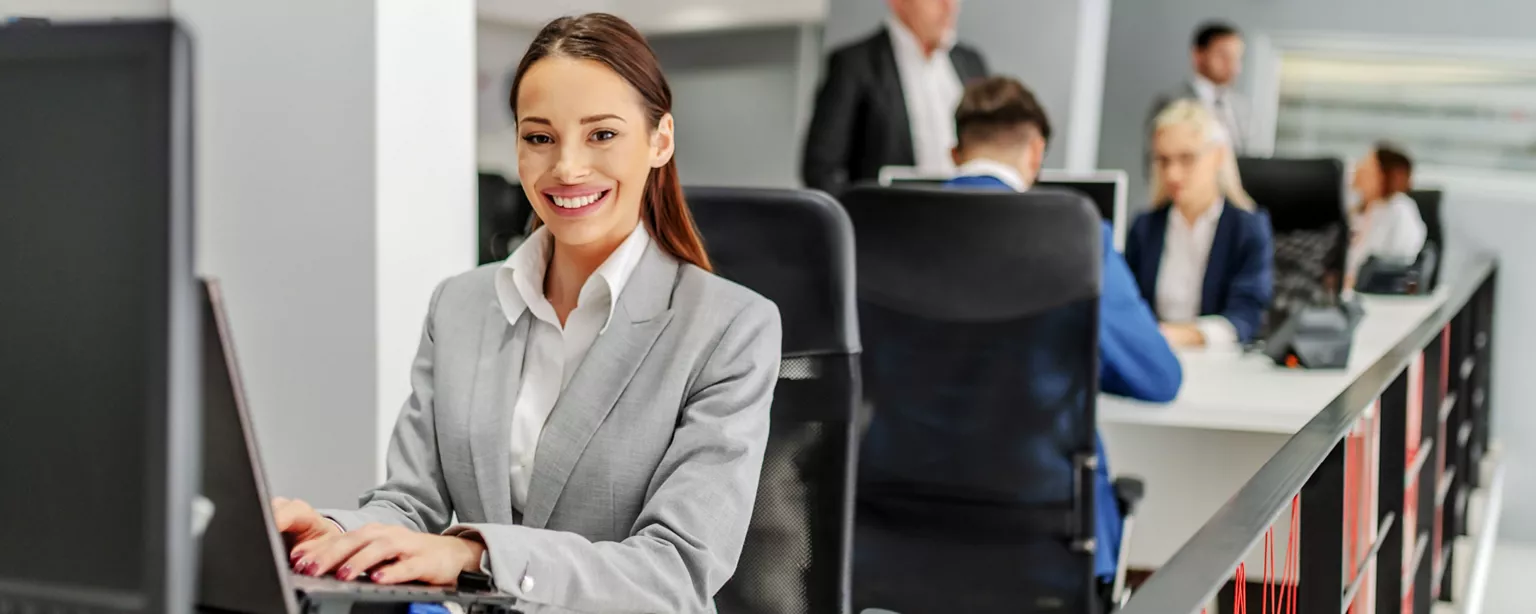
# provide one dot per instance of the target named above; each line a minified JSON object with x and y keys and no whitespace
{"x":1429,"y":201}
{"x":1304,"y":199}
{"x":979,"y":313}
{"x":1300,"y":194}
{"x":795,"y":247}
{"x":504,"y":216}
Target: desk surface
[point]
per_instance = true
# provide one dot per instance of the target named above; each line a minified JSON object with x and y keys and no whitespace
{"x":1248,"y":392}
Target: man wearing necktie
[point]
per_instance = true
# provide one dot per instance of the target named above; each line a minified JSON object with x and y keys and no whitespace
{"x":1217,"y":56}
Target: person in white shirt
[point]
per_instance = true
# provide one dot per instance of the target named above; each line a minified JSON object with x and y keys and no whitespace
{"x":1216,"y":54}
{"x":889,"y":100}
{"x":1385,"y":223}
{"x":1203,"y":257}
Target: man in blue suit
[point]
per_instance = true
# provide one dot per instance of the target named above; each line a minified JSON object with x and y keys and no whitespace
{"x":1002,"y":133}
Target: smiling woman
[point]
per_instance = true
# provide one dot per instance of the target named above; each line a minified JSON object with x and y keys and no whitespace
{"x":594,"y":120}
{"x":594,"y":410}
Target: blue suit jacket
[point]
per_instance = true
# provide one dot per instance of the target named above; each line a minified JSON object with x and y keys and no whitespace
{"x":1239,"y":277}
{"x":1134,"y":361}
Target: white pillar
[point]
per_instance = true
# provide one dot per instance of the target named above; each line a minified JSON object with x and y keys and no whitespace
{"x":425,"y":130}
{"x":335,"y":184}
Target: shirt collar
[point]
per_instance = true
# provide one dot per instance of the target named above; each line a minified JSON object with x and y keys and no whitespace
{"x":906,"y":42}
{"x":520,"y":280}
{"x":983,"y":167}
{"x":1206,"y":221}
{"x":1206,"y":89}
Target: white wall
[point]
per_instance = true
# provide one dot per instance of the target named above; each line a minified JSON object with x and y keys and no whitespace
{"x":715,"y":77}
{"x":335,"y":186}
{"x":285,"y":139}
{"x":498,"y":48}
{"x":425,"y":194}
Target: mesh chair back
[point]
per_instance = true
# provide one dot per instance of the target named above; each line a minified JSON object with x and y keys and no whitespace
{"x":504,"y":216}
{"x":979,"y":313}
{"x":795,"y":248}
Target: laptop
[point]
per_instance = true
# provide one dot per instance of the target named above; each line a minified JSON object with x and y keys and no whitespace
{"x":244,"y":565}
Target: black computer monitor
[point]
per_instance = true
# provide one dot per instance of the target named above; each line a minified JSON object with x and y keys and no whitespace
{"x":100,"y":393}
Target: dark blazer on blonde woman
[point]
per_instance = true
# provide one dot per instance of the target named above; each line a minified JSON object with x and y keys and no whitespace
{"x":647,"y":468}
{"x":1239,"y":275}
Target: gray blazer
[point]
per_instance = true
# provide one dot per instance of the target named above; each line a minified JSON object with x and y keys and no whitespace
{"x":647,"y":469}
{"x":1242,"y":113}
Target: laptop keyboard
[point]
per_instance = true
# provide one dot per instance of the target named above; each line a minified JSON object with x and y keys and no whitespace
{"x":328,"y":585}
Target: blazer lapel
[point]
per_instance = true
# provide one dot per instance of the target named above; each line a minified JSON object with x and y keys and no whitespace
{"x":1216,"y":264}
{"x":642,"y":312}
{"x":965,"y":67}
{"x":1152,"y":259}
{"x":888,"y":80}
{"x":497,"y":380}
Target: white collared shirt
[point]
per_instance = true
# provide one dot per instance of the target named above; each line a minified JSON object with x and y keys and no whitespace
{"x":1181,"y":275}
{"x":1218,"y":100}
{"x":982,"y":167}
{"x":1392,"y":231}
{"x":932,"y":91}
{"x":553,"y":352}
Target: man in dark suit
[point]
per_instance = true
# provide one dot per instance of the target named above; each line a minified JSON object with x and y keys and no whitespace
{"x":889,"y":100}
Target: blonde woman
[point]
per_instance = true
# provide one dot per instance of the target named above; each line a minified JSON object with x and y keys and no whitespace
{"x":1203,"y":257}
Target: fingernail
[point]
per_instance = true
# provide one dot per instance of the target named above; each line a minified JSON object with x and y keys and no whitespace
{"x":378,"y":576}
{"x":345,"y":573}
{"x":293,"y":557}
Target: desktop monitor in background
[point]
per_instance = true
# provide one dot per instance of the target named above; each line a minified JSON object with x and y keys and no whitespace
{"x":909,"y":176}
{"x":1107,"y":190}
{"x":99,"y":405}
{"x":1305,"y":203}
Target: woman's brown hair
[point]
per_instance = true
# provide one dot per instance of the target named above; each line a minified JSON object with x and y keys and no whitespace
{"x":1396,"y":170}
{"x":615,"y":43}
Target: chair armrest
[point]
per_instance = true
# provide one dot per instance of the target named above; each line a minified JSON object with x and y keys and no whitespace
{"x":1129,"y":492}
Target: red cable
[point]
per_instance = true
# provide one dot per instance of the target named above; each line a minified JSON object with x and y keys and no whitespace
{"x":1292,"y":559}
{"x":1240,"y":590}
{"x":1269,"y":568}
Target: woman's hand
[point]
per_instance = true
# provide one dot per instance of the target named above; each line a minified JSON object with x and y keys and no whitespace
{"x":390,"y":555}
{"x":300,"y":523}
{"x":1182,"y":335}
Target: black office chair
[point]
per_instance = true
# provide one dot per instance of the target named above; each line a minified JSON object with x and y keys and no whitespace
{"x":796,"y":248}
{"x":1434,"y":244}
{"x":1304,"y":199}
{"x":979,"y":314}
{"x":504,"y":216}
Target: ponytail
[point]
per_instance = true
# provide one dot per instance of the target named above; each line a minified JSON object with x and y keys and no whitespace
{"x":665,"y":215}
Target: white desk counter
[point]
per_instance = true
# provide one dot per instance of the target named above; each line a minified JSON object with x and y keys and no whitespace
{"x":1232,"y":414}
